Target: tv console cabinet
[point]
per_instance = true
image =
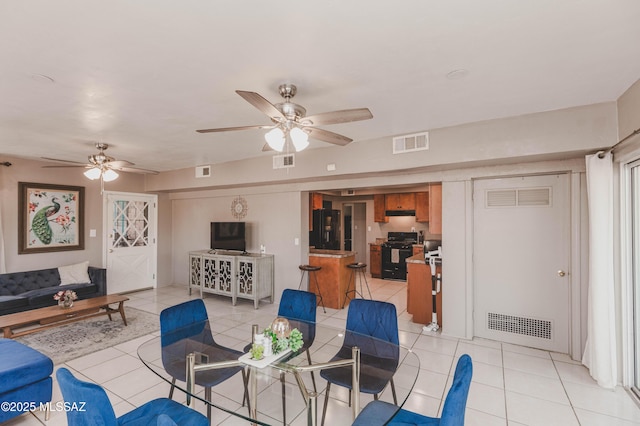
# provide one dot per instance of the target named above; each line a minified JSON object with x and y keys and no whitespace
{"x":232,"y":274}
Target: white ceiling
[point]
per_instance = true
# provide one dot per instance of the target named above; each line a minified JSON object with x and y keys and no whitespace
{"x":143,"y":75}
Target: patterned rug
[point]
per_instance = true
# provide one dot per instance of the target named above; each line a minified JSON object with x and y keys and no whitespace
{"x":80,"y":338}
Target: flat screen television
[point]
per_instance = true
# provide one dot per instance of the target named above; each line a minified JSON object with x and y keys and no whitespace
{"x":228,"y":236}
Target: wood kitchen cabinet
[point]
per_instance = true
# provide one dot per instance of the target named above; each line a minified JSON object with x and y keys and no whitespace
{"x":418,"y":249}
{"x":419,"y":298}
{"x":422,"y":207}
{"x":315,"y":203}
{"x":375,"y":260}
{"x":435,"y":208}
{"x":405,"y":201}
{"x":379,"y":208}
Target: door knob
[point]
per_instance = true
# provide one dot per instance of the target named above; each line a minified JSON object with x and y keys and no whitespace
{"x":561,"y":273}
{"x":110,"y":250}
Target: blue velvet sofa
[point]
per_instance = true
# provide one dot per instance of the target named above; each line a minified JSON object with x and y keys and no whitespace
{"x":21,"y":291}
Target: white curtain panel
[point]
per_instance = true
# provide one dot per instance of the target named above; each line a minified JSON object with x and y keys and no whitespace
{"x":3,"y":266}
{"x":600,"y":351}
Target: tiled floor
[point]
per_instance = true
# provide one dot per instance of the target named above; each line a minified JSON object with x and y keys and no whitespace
{"x":512,"y":385}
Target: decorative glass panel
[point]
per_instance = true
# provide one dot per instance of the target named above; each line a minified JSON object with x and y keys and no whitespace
{"x":130,"y":223}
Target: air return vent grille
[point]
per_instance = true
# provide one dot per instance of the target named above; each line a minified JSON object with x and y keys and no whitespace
{"x":284,"y":161}
{"x":540,"y":197}
{"x":519,"y":325}
{"x":410,"y":143}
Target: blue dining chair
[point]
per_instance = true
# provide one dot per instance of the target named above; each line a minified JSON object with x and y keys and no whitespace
{"x":94,"y":407}
{"x":298,"y":305}
{"x":452,"y":411}
{"x":183,"y":330}
{"x":372,"y":326}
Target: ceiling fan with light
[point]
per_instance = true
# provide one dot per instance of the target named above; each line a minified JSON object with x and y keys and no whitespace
{"x":290,"y":119}
{"x":101,"y":166}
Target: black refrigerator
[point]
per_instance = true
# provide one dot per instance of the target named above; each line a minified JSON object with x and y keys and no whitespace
{"x":326,"y":229}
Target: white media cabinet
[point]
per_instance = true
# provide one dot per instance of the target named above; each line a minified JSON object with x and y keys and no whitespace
{"x":233,"y":274}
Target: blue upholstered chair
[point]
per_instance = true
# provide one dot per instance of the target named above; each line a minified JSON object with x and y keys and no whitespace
{"x":452,"y":411}
{"x":25,"y":376}
{"x":185,"y":324}
{"x":372,"y":326}
{"x":96,"y":409}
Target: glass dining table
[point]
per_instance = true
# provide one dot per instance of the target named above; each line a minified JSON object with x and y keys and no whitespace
{"x":283,"y":388}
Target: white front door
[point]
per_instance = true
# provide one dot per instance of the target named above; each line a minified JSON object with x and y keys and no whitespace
{"x":521,"y":254}
{"x":131,"y":244}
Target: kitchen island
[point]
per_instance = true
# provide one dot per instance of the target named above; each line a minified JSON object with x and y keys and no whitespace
{"x":333,"y":278}
{"x":419,"y":298}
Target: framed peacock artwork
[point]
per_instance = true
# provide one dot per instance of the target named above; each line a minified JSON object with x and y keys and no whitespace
{"x":50,"y":218}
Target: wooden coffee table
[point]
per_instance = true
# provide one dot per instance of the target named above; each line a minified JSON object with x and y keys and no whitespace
{"x":53,"y":316}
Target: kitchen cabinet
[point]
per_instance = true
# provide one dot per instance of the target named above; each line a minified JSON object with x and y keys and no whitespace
{"x":375,"y":260}
{"x":418,"y":249}
{"x":403,"y":201}
{"x":419,"y":297}
{"x":435,"y":208}
{"x":422,"y":207}
{"x":247,"y":276}
{"x":379,"y":208}
{"x":334,"y":275}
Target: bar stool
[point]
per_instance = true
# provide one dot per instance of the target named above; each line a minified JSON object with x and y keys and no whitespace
{"x":312,"y":269}
{"x":357,"y":269}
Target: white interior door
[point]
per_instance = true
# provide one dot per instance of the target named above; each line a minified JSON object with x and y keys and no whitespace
{"x":131,"y":241}
{"x":635,"y":270}
{"x":521,"y":254}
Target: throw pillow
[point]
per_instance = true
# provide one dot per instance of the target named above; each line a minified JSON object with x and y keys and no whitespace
{"x":74,"y":274}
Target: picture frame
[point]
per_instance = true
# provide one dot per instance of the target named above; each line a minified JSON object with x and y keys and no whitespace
{"x":50,"y":218}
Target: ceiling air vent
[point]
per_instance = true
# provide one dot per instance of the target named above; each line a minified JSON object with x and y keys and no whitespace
{"x":203,"y":171}
{"x":283,"y":161}
{"x":411,"y":143}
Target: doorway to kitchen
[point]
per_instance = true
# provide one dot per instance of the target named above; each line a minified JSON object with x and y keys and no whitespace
{"x":521,"y":253}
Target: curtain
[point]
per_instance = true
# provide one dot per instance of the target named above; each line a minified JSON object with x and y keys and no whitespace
{"x":600,"y":354}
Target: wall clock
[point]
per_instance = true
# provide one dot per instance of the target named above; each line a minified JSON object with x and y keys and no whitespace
{"x":239,"y":207}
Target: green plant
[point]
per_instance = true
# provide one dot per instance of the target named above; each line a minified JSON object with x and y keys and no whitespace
{"x":257,"y":351}
{"x":295,"y":340}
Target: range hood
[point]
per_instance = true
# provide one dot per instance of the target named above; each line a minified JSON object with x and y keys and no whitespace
{"x":400,"y":213}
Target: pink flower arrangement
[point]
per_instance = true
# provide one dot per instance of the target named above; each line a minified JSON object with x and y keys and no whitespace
{"x":65,"y":295}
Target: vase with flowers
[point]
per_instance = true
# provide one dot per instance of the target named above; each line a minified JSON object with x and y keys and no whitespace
{"x":65,"y":298}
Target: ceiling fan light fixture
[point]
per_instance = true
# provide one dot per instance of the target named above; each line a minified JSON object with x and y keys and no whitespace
{"x":275,"y":139}
{"x":299,"y":138}
{"x":109,"y":175}
{"x":93,"y":173}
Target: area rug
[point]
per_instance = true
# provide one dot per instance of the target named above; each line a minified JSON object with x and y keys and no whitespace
{"x":80,"y":338}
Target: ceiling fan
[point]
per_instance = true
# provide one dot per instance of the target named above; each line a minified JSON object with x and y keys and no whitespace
{"x":101,"y":166}
{"x":290,"y":119}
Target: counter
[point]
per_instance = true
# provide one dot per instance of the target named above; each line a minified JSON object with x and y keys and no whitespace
{"x":419,"y":298}
{"x":333,"y":278}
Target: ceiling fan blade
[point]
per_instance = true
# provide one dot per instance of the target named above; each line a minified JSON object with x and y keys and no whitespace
{"x":134,"y":170}
{"x":65,"y":167}
{"x":267,"y":148}
{"x":262,"y":104}
{"x":62,"y":161}
{"x":336,"y":117}
{"x":119,"y":164}
{"x":327,"y":136}
{"x":229,"y":129}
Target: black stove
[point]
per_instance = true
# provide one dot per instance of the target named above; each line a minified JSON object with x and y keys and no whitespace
{"x":401,"y":239}
{"x":395,"y":251}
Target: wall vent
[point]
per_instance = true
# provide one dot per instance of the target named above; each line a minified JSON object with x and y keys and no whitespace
{"x":284,"y":161}
{"x":348,"y":192}
{"x":540,"y":197}
{"x":520,"y":325}
{"x":203,"y":171}
{"x":411,"y":143}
